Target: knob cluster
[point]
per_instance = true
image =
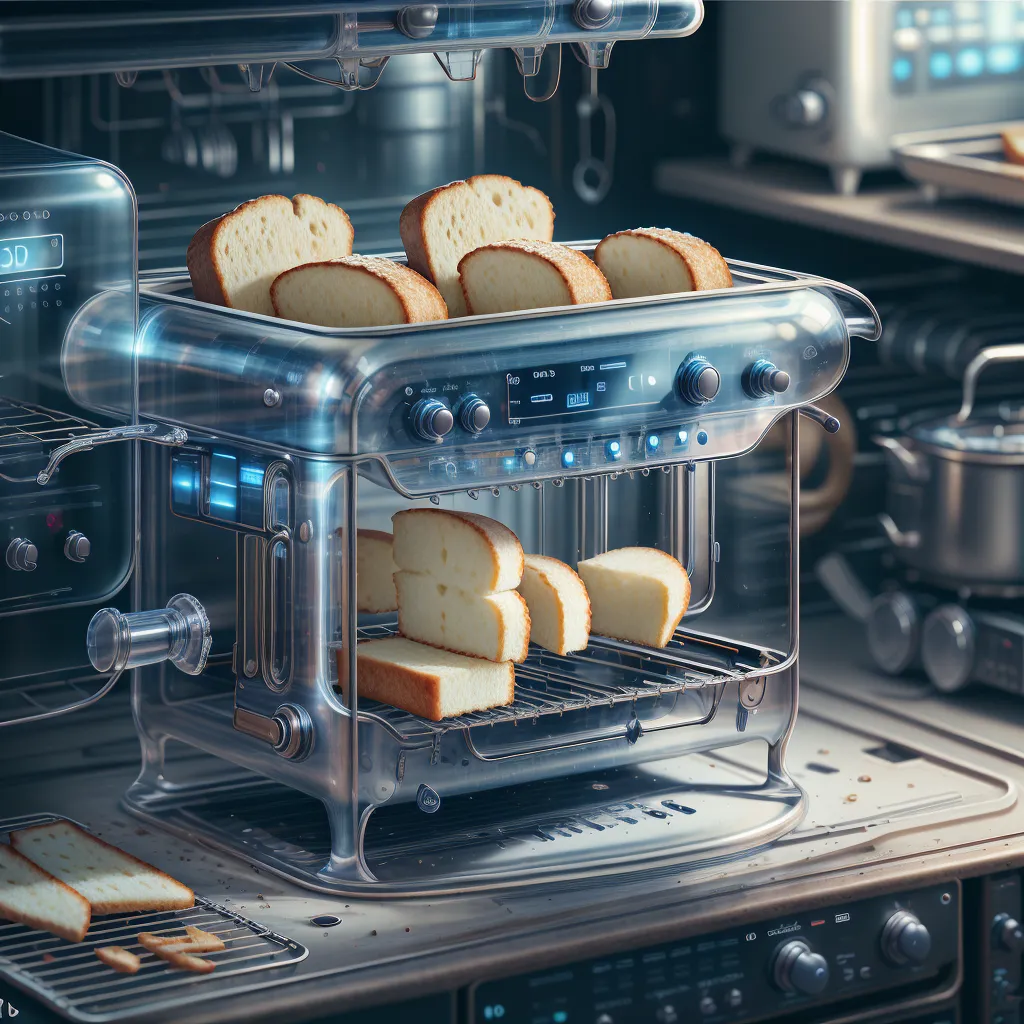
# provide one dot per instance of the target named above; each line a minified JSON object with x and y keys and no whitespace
{"x":431,"y":419}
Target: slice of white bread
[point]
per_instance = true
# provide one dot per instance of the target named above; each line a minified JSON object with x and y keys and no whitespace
{"x":658,"y":261}
{"x":429,"y":682}
{"x":636,"y":594}
{"x":558,"y":603}
{"x":1013,"y":144}
{"x":375,"y":570}
{"x":195,"y":940}
{"x":522,"y":274}
{"x":33,"y":897}
{"x":356,"y":291}
{"x":111,"y":880}
{"x":124,"y":961}
{"x":460,"y":549}
{"x":492,"y":626}
{"x":234,"y":259}
{"x":439,"y":227}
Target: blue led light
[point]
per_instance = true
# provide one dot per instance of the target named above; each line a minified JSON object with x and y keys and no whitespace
{"x":682,"y":438}
{"x":559,"y":1016}
{"x":970,"y":63}
{"x":183,"y":479}
{"x":251,"y":476}
{"x":223,"y":485}
{"x":940,"y":64}
{"x":613,"y":450}
{"x":902,"y":69}
{"x":702,"y":437}
{"x":568,"y":458}
{"x":509,"y":463}
{"x":1004,"y":58}
{"x":653,"y":442}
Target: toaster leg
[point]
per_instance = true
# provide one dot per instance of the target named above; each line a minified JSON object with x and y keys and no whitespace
{"x":846,"y":180}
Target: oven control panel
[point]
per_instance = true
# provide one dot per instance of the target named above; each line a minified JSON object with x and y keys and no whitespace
{"x":853,"y":953}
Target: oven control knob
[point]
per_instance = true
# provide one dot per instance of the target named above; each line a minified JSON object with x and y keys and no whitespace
{"x":797,"y":968}
{"x":905,"y":940}
{"x":698,"y":381}
{"x":22,"y":555}
{"x":1009,"y":934}
{"x":430,"y":419}
{"x":474,"y":415}
{"x":947,"y":647}
{"x":894,"y":632}
{"x":77,"y":547}
{"x":764,"y":379}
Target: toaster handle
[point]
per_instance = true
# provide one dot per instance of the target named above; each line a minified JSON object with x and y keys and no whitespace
{"x":180,"y":633}
{"x":985,"y":358}
{"x":174,"y":436}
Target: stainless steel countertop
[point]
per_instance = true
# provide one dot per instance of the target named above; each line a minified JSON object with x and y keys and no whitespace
{"x":970,"y":231}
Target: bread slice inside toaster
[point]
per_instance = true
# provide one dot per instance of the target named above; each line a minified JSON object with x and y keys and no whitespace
{"x":439,"y":227}
{"x":35,"y":898}
{"x":558,"y":603}
{"x":636,"y":594}
{"x":430,"y":682}
{"x":492,"y":626}
{"x":375,"y":572}
{"x":111,"y":880}
{"x":356,"y":291}
{"x":234,"y":259}
{"x":520,"y":274}
{"x":460,"y":549}
{"x":658,"y":261}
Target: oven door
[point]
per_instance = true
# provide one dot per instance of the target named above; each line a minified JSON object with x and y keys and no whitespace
{"x":68,"y":231}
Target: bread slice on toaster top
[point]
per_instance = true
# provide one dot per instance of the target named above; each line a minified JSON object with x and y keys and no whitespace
{"x":658,"y":261}
{"x":439,"y":227}
{"x":460,"y":549}
{"x":234,"y":259}
{"x":111,"y":880}
{"x":1013,"y":144}
{"x":429,"y":682}
{"x":33,"y":897}
{"x":375,"y":568}
{"x":558,"y":603}
{"x":636,"y":594}
{"x":492,"y":626}
{"x":522,"y":274}
{"x":356,"y":291}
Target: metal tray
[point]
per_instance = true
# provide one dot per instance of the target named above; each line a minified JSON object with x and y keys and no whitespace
{"x":962,"y":161}
{"x":70,"y":979}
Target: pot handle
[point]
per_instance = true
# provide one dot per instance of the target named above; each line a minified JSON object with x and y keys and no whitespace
{"x":914,"y":465}
{"x":985,"y":358}
{"x":898,"y":539}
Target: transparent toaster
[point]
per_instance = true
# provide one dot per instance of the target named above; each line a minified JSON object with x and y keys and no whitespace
{"x":636,"y":422}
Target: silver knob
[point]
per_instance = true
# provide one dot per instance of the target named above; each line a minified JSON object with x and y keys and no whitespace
{"x":77,"y":547}
{"x":592,"y":15}
{"x":894,"y":632}
{"x":295,"y":732}
{"x":765,"y":379}
{"x":947,"y":647}
{"x":905,"y":940}
{"x":1008,"y":933}
{"x":431,"y":419}
{"x":798,"y":969}
{"x":474,"y":415}
{"x":22,"y":555}
{"x":804,"y":108}
{"x":417,"y":22}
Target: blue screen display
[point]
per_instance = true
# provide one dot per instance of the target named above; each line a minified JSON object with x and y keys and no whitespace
{"x":577,"y":399}
{"x":29,"y":254}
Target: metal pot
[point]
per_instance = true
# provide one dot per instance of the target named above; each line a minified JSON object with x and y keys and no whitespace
{"x":955,"y":507}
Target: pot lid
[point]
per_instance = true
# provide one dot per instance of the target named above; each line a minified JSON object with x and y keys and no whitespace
{"x":994,"y":431}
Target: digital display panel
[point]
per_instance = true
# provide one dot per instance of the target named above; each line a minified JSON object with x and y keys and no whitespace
{"x":31,"y":253}
{"x":570,"y":388}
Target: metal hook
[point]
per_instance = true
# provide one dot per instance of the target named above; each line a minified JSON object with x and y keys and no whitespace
{"x":554,"y":79}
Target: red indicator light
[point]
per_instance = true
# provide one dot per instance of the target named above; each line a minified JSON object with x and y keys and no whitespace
{"x":54,"y":521}
{"x":814,"y":924}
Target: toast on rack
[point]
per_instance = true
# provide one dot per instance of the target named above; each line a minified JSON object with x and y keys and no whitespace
{"x":658,"y":261}
{"x":35,"y":898}
{"x":439,"y":227}
{"x":559,"y":605}
{"x":234,"y":259}
{"x":356,"y":291}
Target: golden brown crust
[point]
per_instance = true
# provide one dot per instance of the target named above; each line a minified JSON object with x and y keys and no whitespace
{"x":381,"y":535}
{"x":41,"y":923}
{"x":1013,"y":145}
{"x":542,"y":562}
{"x":410,"y":228}
{"x":119,"y":906}
{"x":583,"y":278}
{"x":122,"y":960}
{"x":704,"y":263}
{"x":188,"y":962}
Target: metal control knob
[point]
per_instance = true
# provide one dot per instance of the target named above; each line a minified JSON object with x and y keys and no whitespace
{"x":1008,"y":933}
{"x":431,"y":419}
{"x":797,"y":968}
{"x":474,"y":414}
{"x":764,"y":379}
{"x":22,"y":555}
{"x":905,"y":940}
{"x":698,"y":381}
{"x":947,"y":647}
{"x":417,"y":22}
{"x":77,"y":547}
{"x":804,"y":108}
{"x":894,"y":632}
{"x":592,"y":15}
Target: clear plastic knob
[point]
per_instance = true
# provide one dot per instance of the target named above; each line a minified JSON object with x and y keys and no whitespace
{"x":698,"y":381}
{"x":431,"y":419}
{"x":418,"y":22}
{"x":474,"y":415}
{"x":765,"y":379}
{"x":77,"y":547}
{"x":22,"y":555}
{"x":179,"y":633}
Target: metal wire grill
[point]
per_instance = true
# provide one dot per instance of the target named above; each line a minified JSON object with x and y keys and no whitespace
{"x":24,"y":426}
{"x":607,"y":673}
{"x":26,"y":697}
{"x":70,"y":978}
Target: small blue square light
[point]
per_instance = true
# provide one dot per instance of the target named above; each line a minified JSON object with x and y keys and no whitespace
{"x":613,"y":451}
{"x":653,"y":442}
{"x":940,"y":64}
{"x":902,"y":69}
{"x":568,"y":458}
{"x":970,"y":63}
